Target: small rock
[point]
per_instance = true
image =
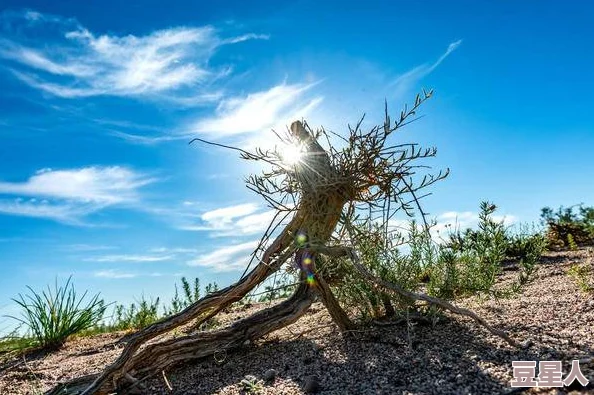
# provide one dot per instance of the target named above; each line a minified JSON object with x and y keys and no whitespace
{"x":269,"y":375}
{"x":307,"y":359}
{"x":311,"y":385}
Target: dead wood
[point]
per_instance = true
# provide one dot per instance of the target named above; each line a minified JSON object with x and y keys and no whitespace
{"x":154,"y":360}
{"x":321,"y":192}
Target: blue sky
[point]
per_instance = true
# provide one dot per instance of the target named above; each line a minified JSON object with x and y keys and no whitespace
{"x":98,"y":101}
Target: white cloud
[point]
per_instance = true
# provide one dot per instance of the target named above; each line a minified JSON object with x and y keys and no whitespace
{"x":229,"y":258}
{"x":146,"y":140}
{"x":106,"y":185}
{"x":68,"y":213}
{"x":260,"y":111}
{"x":87,"y":247}
{"x":115,"y":274}
{"x":130,"y":258}
{"x":405,"y":81}
{"x":237,"y":220}
{"x":80,"y":63}
{"x":174,"y":250}
{"x":223,"y":216}
{"x":68,"y":195}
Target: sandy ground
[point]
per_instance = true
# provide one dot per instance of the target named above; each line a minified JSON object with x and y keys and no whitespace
{"x":453,"y":357}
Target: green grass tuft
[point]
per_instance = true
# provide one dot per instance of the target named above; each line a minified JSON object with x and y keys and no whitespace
{"x":52,"y":316}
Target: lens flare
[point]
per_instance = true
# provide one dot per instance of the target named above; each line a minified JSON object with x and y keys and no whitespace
{"x":301,"y":239}
{"x":291,"y":154}
{"x":311,"y":280}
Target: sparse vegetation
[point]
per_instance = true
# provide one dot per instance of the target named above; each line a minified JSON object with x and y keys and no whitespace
{"x":570,"y":227}
{"x":583,"y":273}
{"x":250,"y":384}
{"x":136,"y":316}
{"x":468,"y":262}
{"x":339,"y":237}
{"x":51,"y":316}
{"x":190,"y":295}
{"x":145,"y":312}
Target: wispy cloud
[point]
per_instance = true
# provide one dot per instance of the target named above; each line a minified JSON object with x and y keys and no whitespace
{"x":131,"y":258}
{"x":259,"y":111}
{"x":87,"y":247}
{"x":114,"y":274}
{"x":174,"y":250}
{"x":237,"y":220}
{"x":228,"y":258}
{"x":118,"y":274}
{"x":107,"y":185}
{"x":146,"y":140}
{"x":68,"y":195}
{"x":407,"y":80}
{"x":68,"y":213}
{"x":80,"y":63}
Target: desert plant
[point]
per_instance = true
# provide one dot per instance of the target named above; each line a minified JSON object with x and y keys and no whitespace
{"x":476,"y":255}
{"x":250,"y":384}
{"x":567,"y":228}
{"x":583,"y":275}
{"x":526,"y":247}
{"x":135,"y":316}
{"x":316,"y":196}
{"x":53,"y":316}
{"x":379,"y":252}
{"x":14,"y":342}
{"x":190,"y":295}
{"x":211,"y":288}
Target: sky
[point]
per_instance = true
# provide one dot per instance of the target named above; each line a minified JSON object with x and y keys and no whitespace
{"x":98,"y":101}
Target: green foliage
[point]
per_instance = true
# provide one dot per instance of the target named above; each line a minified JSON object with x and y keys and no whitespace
{"x":583,"y":275}
{"x":471,"y":260}
{"x":251,"y":385}
{"x":467,"y":263}
{"x":569,"y":227}
{"x":571,"y":242}
{"x":474,"y":258}
{"x":191,"y":294}
{"x":135,"y":316}
{"x":52,"y":316}
{"x":13,"y":342}
{"x":379,"y":253}
{"x":211,"y":287}
{"x":526,"y":247}
{"x":280,"y":288}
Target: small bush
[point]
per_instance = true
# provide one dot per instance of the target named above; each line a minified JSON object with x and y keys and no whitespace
{"x":191,"y":294}
{"x":583,"y":274}
{"x":526,"y":247}
{"x":467,"y":263}
{"x":136,"y":316}
{"x":379,"y":253}
{"x":470,"y":261}
{"x":570,"y":227}
{"x":53,"y":316}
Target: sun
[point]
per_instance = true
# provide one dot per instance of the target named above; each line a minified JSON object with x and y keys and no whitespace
{"x":291,"y":154}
